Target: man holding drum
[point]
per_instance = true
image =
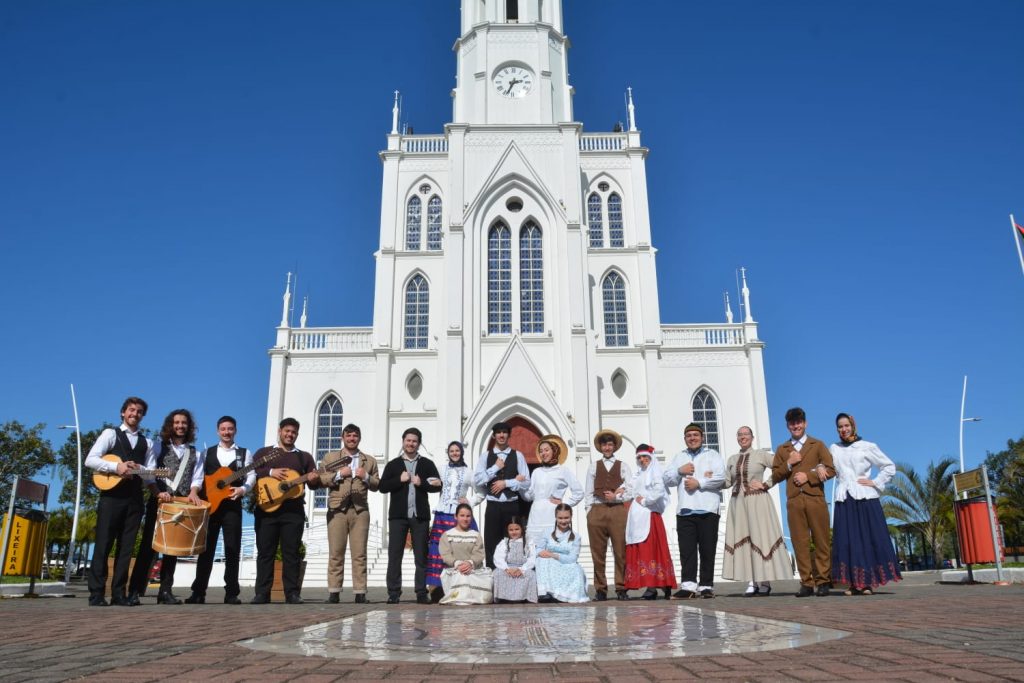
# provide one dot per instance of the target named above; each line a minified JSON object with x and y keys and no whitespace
{"x":175,"y":450}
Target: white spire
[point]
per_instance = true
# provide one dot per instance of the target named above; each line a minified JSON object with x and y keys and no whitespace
{"x":394,"y":116}
{"x":287,"y":301}
{"x":631,"y":109}
{"x":728,"y":309}
{"x":302,"y":318}
{"x":749,"y":317}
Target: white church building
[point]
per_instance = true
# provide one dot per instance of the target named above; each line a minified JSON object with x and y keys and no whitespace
{"x":515,"y":281}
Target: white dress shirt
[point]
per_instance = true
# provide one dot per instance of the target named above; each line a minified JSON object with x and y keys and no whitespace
{"x":181,"y":450}
{"x":105,"y":443}
{"x":484,"y":474}
{"x":707,"y":497}
{"x":226,"y":456}
{"x":853,"y":462}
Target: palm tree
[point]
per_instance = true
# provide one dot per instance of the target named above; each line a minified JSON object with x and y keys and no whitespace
{"x":925,"y":504}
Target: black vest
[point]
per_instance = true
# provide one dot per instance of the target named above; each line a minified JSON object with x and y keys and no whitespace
{"x":131,"y":487}
{"x":509,"y":471}
{"x":211,"y":464}
{"x":185,"y":485}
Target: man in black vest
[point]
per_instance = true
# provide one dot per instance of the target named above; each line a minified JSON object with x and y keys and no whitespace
{"x":174,"y":450}
{"x":224,"y":459}
{"x":409,"y":478}
{"x":503,"y":473}
{"x":120,"y":509}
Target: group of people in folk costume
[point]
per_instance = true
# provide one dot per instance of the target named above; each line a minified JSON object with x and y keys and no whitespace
{"x":518,"y":558}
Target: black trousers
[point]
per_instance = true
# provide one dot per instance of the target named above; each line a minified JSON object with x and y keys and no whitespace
{"x":496,"y":519}
{"x":117,"y":519}
{"x":698,"y":538}
{"x":397,"y":530}
{"x":144,"y":560}
{"x":227,"y":518}
{"x":282,"y":527}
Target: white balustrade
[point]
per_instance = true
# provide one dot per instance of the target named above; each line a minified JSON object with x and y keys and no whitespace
{"x":331,"y":339}
{"x":425,"y":143}
{"x":602,"y":142}
{"x":697,"y":336}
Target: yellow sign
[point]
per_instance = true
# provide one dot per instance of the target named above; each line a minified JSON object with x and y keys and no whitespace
{"x":965,"y":481}
{"x":26,"y":545}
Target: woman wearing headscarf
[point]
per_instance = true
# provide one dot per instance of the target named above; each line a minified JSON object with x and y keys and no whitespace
{"x":456,"y":487}
{"x":862,"y":552}
{"x":754,"y":549}
{"x":551,"y":484}
{"x":648,"y":561}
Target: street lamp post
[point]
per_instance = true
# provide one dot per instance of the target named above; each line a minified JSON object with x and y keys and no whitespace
{"x":78,"y":486}
{"x":963,"y":495}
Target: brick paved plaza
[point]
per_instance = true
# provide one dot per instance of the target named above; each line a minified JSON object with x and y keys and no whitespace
{"x":916,"y":631}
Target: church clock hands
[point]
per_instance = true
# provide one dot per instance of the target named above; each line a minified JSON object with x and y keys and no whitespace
{"x":513,"y":81}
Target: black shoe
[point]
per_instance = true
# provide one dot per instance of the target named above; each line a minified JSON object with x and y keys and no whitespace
{"x":804,"y":592}
{"x":601,"y":596}
{"x":98,"y":601}
{"x":707,"y":594}
{"x":294,"y":599}
{"x":167,"y":598}
{"x":436,"y":593}
{"x":751,"y":592}
{"x":228,"y":600}
{"x":684,"y":594}
{"x":650,"y":594}
{"x":621,"y":595}
{"x":392,"y":599}
{"x":196,"y":599}
{"x":822,"y":590}
{"x":548,"y":597}
{"x":361,"y":598}
{"x":260,"y":599}
{"x":334,"y":598}
{"x":422,"y":599}
{"x":668,"y":593}
{"x":764,"y":592}
{"x":122,"y":601}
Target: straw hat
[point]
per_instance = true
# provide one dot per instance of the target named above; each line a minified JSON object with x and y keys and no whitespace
{"x":606,"y":432}
{"x":561,"y":447}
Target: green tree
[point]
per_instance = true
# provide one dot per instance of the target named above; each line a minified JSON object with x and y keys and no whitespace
{"x":67,"y":458}
{"x":23,"y":452}
{"x":1006,"y":475}
{"x":925,"y":503}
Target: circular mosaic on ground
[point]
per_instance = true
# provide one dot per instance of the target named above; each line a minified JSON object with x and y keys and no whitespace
{"x":532,"y":634}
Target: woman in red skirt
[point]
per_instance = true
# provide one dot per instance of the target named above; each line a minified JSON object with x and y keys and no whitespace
{"x":648,"y":562}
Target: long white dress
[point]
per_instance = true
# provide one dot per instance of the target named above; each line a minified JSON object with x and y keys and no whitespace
{"x":546,"y":483}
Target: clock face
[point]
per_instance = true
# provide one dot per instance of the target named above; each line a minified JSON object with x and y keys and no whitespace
{"x":513,"y":81}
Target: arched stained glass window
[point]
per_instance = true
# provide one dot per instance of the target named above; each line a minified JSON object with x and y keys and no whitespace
{"x":434,"y":223}
{"x":328,"y":438}
{"x":705,"y":413}
{"x":413,"y":219}
{"x":499,"y":280}
{"x":417,"y":313}
{"x":616,"y":328}
{"x":594,"y":221}
{"x":615,"y":233}
{"x":531,"y":279}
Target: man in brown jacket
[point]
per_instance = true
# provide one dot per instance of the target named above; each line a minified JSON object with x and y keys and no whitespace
{"x":804,"y":463}
{"x":349,"y":475}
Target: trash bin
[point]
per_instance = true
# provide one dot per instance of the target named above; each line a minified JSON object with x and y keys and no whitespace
{"x":974,"y":531}
{"x":26,"y":543}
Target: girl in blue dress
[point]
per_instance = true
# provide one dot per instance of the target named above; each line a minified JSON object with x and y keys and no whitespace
{"x":560,"y":578}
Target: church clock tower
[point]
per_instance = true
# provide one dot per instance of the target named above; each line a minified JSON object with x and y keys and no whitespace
{"x":512,"y":66}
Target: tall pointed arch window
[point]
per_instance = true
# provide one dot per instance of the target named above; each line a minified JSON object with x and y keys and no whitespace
{"x":413,"y":219}
{"x":595,"y":223}
{"x":328,"y":438}
{"x":434,"y":223}
{"x":616,"y":327}
{"x":499,"y":280}
{"x":531,"y":279}
{"x":615,"y":234}
{"x":417,"y":313}
{"x":705,"y":413}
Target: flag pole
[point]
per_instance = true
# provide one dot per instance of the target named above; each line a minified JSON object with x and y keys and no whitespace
{"x":1017,"y":239}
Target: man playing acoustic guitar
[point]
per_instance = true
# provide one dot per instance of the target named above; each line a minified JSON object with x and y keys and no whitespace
{"x":120,"y":509}
{"x":281,"y":522}
{"x":222,"y":461}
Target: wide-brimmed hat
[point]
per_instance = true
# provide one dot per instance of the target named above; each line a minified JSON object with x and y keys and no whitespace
{"x":607,"y":432}
{"x":563,"y":449}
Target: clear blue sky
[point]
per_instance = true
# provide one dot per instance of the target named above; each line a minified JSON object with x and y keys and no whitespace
{"x":165,"y":163}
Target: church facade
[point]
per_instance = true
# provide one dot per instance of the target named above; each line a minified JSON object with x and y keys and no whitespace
{"x":516,"y":281}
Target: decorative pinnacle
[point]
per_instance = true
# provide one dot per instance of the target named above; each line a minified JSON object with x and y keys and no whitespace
{"x":631,"y":109}
{"x":394,"y":115}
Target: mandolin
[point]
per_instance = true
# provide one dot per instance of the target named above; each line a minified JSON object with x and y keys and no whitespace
{"x":105,"y":481}
{"x":271,"y":492}
{"x":217,"y":486}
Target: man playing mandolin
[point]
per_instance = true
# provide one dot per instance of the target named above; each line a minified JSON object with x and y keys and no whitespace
{"x":281,"y":520}
{"x":350,"y":475}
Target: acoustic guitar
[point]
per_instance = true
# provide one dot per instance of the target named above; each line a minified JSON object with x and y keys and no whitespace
{"x":271,"y":493}
{"x":217,"y":486}
{"x":105,"y":481}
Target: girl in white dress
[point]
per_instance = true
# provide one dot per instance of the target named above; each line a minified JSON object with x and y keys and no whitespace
{"x":551,"y":484}
{"x":514,"y":559}
{"x":560,"y":578}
